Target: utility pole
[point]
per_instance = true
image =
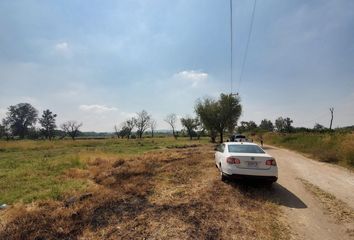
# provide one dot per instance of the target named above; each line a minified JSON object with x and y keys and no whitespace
{"x":331,"y":110}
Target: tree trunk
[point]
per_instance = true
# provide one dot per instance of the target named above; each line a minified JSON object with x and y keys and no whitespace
{"x":221,"y":136}
{"x":331,"y":110}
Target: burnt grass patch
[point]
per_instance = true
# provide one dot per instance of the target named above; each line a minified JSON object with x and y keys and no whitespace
{"x":133,"y":198}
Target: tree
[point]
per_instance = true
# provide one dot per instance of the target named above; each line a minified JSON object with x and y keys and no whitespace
{"x":142,"y":122}
{"x":331,"y":110}
{"x":71,"y":128}
{"x":171,"y":119}
{"x":207,"y":110}
{"x":48,"y":124}
{"x":280,"y":124}
{"x":287,"y":125}
{"x":190,"y":124}
{"x":319,"y":127}
{"x":220,"y":115}
{"x":127,"y":128}
{"x":5,"y":130}
{"x":200,"y":129}
{"x":116,"y":131}
{"x":2,"y":131}
{"x":153,"y":125}
{"x":20,"y":118}
{"x":284,"y":124}
{"x":230,"y":112}
{"x":266,"y":125}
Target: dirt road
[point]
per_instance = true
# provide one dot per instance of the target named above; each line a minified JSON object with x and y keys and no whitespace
{"x":305,"y":213}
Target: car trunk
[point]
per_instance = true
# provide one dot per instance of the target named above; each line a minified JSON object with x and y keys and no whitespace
{"x":253,"y":161}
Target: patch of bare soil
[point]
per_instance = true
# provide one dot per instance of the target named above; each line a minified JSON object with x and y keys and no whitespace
{"x":172,"y":194}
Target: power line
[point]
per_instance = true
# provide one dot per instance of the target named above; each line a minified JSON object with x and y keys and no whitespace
{"x":247,"y":45}
{"x":231,"y":45}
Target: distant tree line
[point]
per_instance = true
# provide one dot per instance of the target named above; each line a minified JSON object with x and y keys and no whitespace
{"x":282,"y":125}
{"x":213,"y":118}
{"x":20,"y":122}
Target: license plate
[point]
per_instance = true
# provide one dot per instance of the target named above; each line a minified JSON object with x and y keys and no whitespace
{"x":252,"y":164}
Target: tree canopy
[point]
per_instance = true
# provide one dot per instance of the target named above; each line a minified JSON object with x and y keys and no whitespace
{"x":219,"y":115}
{"x":48,"y":124}
{"x":20,"y":118}
{"x":190,"y":124}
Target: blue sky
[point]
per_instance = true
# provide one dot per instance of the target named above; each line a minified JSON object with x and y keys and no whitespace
{"x":99,"y":62}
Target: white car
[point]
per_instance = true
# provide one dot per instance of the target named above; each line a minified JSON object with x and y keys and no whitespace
{"x":245,"y":160}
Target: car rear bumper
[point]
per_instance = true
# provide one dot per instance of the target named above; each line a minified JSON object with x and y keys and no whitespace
{"x":252,"y":177}
{"x":233,"y":170}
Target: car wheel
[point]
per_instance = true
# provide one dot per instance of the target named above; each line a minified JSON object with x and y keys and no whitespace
{"x":223,"y":177}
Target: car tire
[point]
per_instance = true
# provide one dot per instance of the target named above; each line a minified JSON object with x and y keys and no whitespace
{"x":223,"y":176}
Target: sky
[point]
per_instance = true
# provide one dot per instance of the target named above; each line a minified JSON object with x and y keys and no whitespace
{"x":100,"y":62}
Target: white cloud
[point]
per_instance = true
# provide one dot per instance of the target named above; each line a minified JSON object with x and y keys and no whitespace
{"x":128,"y":114}
{"x":195,"y":77}
{"x":95,"y":108}
{"x":63,"y":48}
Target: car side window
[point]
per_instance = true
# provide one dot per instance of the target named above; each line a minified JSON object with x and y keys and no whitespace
{"x":222,"y":148}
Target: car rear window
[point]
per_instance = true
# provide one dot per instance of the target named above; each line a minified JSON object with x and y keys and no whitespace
{"x":244,"y":149}
{"x":240,"y":136}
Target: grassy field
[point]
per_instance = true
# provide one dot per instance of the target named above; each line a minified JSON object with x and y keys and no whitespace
{"x":326,"y":147}
{"x":120,"y":189}
{"x":31,"y":170}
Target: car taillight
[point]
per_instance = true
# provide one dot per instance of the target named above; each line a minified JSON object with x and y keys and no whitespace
{"x":233,"y":160}
{"x":271,"y":162}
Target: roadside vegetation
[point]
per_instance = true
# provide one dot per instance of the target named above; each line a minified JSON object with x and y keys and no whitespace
{"x":335,"y":148}
{"x":324,"y":144}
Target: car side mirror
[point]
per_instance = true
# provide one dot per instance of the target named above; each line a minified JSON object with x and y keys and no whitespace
{"x":215,"y":149}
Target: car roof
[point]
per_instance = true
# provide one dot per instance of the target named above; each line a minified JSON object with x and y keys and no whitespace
{"x":240,"y":143}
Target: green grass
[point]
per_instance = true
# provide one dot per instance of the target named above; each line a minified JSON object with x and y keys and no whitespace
{"x":326,"y":147}
{"x":32,"y":170}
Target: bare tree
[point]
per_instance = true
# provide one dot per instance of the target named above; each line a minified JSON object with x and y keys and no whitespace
{"x":142,"y":122}
{"x":153,"y":124}
{"x":331,"y":110}
{"x":116,"y":131}
{"x":71,"y":128}
{"x":171,"y":119}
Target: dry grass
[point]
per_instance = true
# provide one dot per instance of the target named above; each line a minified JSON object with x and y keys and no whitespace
{"x":335,"y":148}
{"x":166,"y":194}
